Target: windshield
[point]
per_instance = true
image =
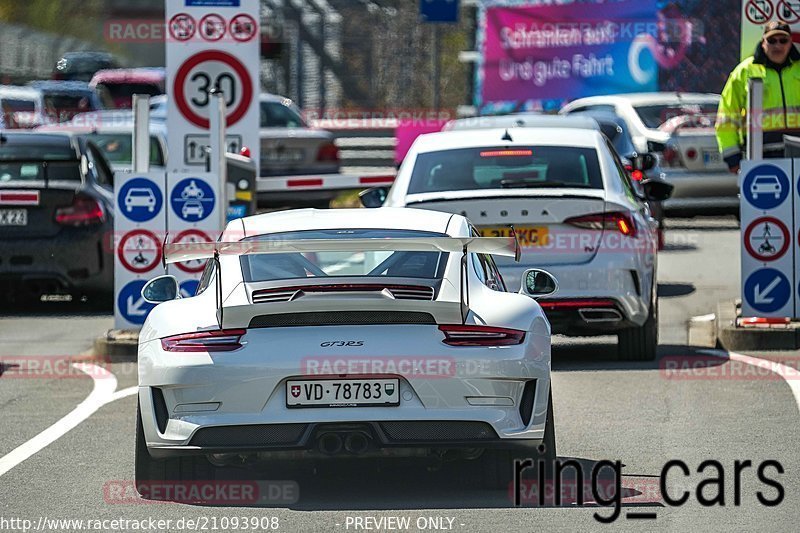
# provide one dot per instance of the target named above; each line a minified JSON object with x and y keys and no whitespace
{"x":467,"y":169}
{"x":39,"y":171}
{"x":62,"y":107}
{"x":653,"y":116}
{"x":277,"y":115}
{"x":119,"y":95}
{"x":118,"y":148}
{"x":267,"y":267}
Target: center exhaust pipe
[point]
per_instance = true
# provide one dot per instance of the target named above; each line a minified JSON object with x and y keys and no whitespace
{"x":356,"y":443}
{"x":330,"y":443}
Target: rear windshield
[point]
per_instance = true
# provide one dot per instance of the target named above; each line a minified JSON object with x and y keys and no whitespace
{"x":62,"y":107}
{"x":466,"y":169}
{"x":277,"y":115}
{"x":118,"y":148}
{"x":653,"y":116}
{"x":120,"y":95}
{"x":267,"y":267}
{"x":44,"y":152}
{"x":17,"y":113}
{"x":39,"y":171}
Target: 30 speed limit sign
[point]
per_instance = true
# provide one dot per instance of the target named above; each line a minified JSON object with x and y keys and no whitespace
{"x":212,"y":69}
{"x":217,"y":57}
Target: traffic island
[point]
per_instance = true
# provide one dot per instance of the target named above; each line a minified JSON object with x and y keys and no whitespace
{"x":737,"y":333}
{"x":117,"y":345}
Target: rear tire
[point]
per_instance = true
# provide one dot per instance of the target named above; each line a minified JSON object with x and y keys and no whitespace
{"x":155,"y":479}
{"x":498,"y":465}
{"x":640,"y":343}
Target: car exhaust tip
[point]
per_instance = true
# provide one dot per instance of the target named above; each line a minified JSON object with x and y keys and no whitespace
{"x":330,"y":443}
{"x":600,"y":315}
{"x":356,"y":443}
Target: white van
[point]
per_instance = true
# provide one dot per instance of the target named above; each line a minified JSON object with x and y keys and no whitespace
{"x":20,"y":107}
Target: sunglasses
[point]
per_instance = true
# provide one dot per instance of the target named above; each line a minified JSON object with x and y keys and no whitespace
{"x":777,"y":40}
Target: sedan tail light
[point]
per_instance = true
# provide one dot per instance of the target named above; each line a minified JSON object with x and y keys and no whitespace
{"x":670,"y":156}
{"x":328,"y":152}
{"x":474,"y":335}
{"x":222,"y":340}
{"x":615,"y":221}
{"x":84,"y":211}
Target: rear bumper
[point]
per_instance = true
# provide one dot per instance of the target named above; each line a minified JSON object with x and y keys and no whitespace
{"x":75,"y":260}
{"x":698,"y":191}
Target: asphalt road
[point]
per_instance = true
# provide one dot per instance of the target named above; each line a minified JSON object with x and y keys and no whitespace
{"x":642,"y":414}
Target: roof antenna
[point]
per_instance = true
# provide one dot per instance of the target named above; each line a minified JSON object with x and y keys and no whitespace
{"x":507,"y":137}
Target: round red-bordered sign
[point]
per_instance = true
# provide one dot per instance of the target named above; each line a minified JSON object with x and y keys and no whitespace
{"x":212,"y":27}
{"x":789,"y":11}
{"x":182,"y":27}
{"x":201,"y":237}
{"x":243,"y":28}
{"x":140,"y":264}
{"x":223,"y":57}
{"x":761,"y":253}
{"x":759,"y":11}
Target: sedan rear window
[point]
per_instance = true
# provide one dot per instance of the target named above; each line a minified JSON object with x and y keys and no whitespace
{"x":277,"y":115}
{"x":377,"y":263}
{"x":43,"y":152}
{"x":118,"y":148}
{"x":466,"y":169}
{"x":39,"y":171}
{"x":653,"y":116}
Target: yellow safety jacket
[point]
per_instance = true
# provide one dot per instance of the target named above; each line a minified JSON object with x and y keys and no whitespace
{"x":781,"y":106}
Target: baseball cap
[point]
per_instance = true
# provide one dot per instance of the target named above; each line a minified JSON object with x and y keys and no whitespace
{"x":776,"y":27}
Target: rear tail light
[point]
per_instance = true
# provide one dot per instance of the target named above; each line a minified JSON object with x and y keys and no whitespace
{"x":474,"y":335}
{"x":616,"y":221}
{"x":691,"y":153}
{"x":84,"y":211}
{"x":223,"y":340}
{"x":328,"y":152}
{"x":670,"y":156}
{"x":637,"y":175}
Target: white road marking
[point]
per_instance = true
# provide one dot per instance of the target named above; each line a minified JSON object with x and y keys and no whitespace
{"x":105,"y":383}
{"x":789,"y":375}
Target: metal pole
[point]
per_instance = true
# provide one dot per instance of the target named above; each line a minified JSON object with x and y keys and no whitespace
{"x":141,"y":133}
{"x":436,"y":65}
{"x":755,"y":112}
{"x":217,"y":146}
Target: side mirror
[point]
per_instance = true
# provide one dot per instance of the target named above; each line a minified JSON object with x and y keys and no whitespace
{"x":536,"y":282}
{"x":160,"y":289}
{"x":644,"y":161}
{"x":657,"y":190}
{"x":374,"y":197}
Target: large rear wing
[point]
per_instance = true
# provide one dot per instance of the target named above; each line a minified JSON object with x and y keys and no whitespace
{"x":505,"y":246}
{"x":179,"y":252}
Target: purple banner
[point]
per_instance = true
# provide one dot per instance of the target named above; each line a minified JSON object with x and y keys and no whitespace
{"x":569,"y":51}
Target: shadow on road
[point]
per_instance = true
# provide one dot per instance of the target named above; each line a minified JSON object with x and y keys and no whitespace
{"x":601,"y":355}
{"x":672,"y":290}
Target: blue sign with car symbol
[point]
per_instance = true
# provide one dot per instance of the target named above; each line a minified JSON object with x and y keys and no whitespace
{"x":766,"y":187}
{"x":140,"y":200}
{"x":192,"y":199}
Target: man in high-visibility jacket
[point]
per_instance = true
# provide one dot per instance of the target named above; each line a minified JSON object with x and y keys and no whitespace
{"x":777,"y":62}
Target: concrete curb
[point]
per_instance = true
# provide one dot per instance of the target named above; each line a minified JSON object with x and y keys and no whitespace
{"x":117,"y":346}
{"x":767,"y":338}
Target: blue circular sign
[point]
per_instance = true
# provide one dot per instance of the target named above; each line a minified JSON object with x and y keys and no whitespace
{"x":767,"y":290}
{"x":766,"y":186}
{"x":188,"y":288}
{"x":140,"y":200}
{"x":131,"y":304}
{"x":192,"y":199}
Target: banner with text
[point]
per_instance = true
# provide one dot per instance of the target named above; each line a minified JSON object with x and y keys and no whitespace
{"x":560,"y":52}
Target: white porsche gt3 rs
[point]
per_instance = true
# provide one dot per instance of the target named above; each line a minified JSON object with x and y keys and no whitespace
{"x":344,"y":333}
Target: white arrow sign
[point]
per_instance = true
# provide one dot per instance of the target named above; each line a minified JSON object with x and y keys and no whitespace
{"x":760,"y":297}
{"x":135,"y":309}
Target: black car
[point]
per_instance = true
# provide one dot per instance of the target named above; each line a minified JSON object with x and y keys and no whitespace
{"x":56,"y":218}
{"x":81,"y":66}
